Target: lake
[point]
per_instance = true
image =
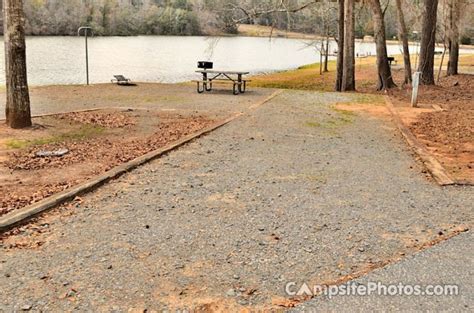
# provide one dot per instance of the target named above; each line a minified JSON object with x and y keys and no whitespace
{"x":166,"y":59}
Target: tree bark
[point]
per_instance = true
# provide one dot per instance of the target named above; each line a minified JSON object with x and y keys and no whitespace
{"x":383,"y":67}
{"x":340,"y":47}
{"x":17,"y":109}
{"x":348,"y":69}
{"x":326,"y":51}
{"x":428,"y":40}
{"x":403,"y":35}
{"x":454,"y":16}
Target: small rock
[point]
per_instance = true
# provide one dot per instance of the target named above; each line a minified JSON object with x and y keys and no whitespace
{"x":231,"y":293}
{"x":43,"y":276}
{"x":55,"y":153}
{"x":70,"y":293}
{"x":26,"y":307}
{"x":236,"y":277}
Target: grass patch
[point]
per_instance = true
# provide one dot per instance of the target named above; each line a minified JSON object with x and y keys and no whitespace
{"x":342,"y":118}
{"x":369,"y":99}
{"x":466,"y":60}
{"x":346,"y":114}
{"x":313,"y":124}
{"x":86,"y":131}
{"x":317,"y":178}
{"x":306,"y":77}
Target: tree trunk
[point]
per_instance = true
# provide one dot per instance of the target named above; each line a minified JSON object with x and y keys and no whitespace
{"x":326,"y":53}
{"x":348,"y":69}
{"x":454,"y":16}
{"x":403,"y":34}
{"x":321,"y":51}
{"x":383,"y":67}
{"x":17,"y":109}
{"x":428,"y":40}
{"x":340,"y":47}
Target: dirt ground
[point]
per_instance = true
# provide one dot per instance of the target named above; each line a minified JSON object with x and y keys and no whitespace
{"x":167,"y":97}
{"x":444,"y":122}
{"x":96,"y":142}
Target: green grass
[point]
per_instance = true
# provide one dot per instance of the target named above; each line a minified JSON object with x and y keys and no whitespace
{"x":342,"y":118}
{"x":86,"y":131}
{"x":313,"y":124}
{"x":366,"y":98}
{"x":306,"y":77}
{"x":317,"y":178}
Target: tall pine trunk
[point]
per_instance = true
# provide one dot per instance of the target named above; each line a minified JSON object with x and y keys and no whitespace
{"x":17,"y":110}
{"x":383,"y":67}
{"x":454,"y":16}
{"x":428,"y":41}
{"x":348,"y":69}
{"x":340,"y":46}
{"x":403,"y":35}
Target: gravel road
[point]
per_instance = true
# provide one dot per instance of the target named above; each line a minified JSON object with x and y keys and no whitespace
{"x":293,"y":191}
{"x":445,"y":265}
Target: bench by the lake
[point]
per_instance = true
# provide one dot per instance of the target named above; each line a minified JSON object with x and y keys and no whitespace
{"x":210,"y":77}
{"x":122,"y":81}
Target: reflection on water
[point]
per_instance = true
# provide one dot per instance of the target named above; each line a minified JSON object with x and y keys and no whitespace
{"x":61,"y":60}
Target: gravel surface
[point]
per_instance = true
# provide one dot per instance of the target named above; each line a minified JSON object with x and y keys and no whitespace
{"x":445,"y":264}
{"x":170,"y":97}
{"x":293,"y":191}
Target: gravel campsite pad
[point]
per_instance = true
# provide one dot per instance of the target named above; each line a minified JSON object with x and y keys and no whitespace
{"x":298,"y":190}
{"x":66,"y":149}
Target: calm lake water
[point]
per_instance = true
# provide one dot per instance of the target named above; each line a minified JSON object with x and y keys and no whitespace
{"x":61,"y":60}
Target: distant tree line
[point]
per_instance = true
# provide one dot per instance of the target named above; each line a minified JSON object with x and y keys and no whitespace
{"x":206,"y":17}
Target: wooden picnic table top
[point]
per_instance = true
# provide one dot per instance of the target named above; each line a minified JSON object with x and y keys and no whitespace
{"x":222,"y":72}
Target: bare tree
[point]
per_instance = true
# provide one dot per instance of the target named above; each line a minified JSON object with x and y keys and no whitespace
{"x":348,"y":67}
{"x":17,"y":110}
{"x":428,"y":40}
{"x":340,"y":46}
{"x":383,"y":67}
{"x":403,"y":36}
{"x":454,"y":18}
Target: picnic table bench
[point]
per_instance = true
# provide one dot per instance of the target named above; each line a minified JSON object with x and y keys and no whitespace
{"x":210,"y":77}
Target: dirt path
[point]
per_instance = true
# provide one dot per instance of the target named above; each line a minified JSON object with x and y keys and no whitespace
{"x":295,"y":191}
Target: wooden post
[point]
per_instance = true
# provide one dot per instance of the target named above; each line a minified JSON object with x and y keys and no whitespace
{"x":416,"y":84}
{"x":17,"y":111}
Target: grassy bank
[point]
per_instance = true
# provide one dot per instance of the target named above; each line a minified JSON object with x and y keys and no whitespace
{"x":308,"y":77}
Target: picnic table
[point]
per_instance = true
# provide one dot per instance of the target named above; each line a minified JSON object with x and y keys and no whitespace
{"x":210,"y":77}
{"x":391,"y":60}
